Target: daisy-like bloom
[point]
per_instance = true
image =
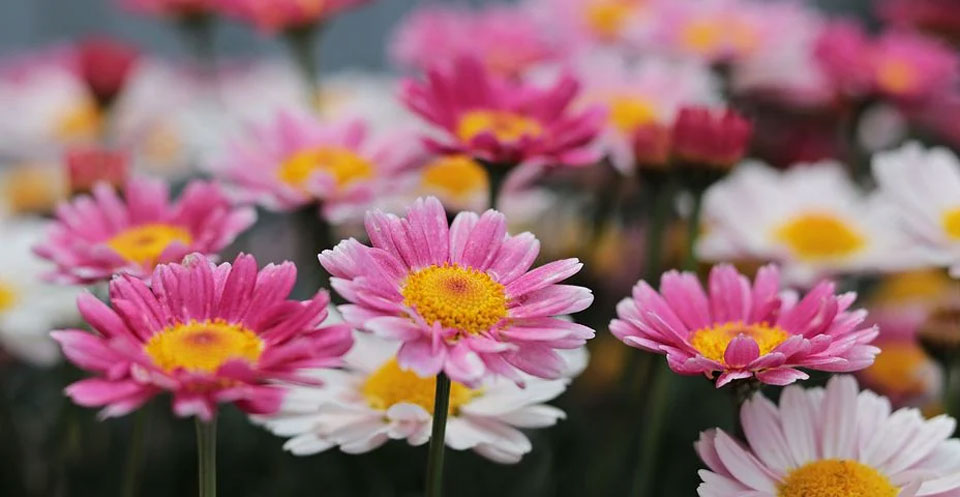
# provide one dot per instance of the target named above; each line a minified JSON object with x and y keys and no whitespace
{"x":206,"y":333}
{"x":743,"y":331}
{"x":88,"y":166}
{"x":912,"y":67}
{"x":706,"y":137}
{"x":925,"y":184}
{"x":279,"y":15}
{"x":586,"y":24}
{"x":30,"y":308}
{"x":835,"y":442}
{"x":372,"y":400}
{"x":458,"y":181}
{"x":295,"y":161}
{"x":105,"y":65}
{"x":505,"y":38}
{"x":504,"y":122}
{"x":843,"y":53}
{"x":714,"y":30}
{"x":32,"y":188}
{"x":811,"y":219}
{"x":461,"y":298}
{"x":903,"y":372}
{"x":96,"y":236}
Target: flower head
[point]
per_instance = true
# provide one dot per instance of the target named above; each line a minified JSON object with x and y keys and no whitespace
{"x":87,"y":166}
{"x":831,"y":442}
{"x":461,"y":298}
{"x":912,"y":67}
{"x":903,"y":372}
{"x":741,"y":330}
{"x":705,"y":137}
{"x":504,"y":122}
{"x":587,"y":24}
{"x":390,"y":403}
{"x":206,"y":333}
{"x":105,"y":65}
{"x":96,"y":236}
{"x":716,"y":31}
{"x":279,"y":15}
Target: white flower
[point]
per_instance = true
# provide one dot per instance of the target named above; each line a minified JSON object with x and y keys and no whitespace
{"x":811,"y":219}
{"x":372,"y":401}
{"x":925,"y":186}
{"x":30,"y":308}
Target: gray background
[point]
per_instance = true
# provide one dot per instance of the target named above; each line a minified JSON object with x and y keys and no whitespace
{"x":356,"y":39}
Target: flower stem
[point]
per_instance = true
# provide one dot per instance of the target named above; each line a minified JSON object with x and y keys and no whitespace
{"x":496,"y":176}
{"x":441,"y":403}
{"x":302,"y":42}
{"x":644,"y":477}
{"x":951,"y":388}
{"x":693,"y":231}
{"x":207,"y":457}
{"x":741,"y":391}
{"x":131,"y":479}
{"x":656,"y":227}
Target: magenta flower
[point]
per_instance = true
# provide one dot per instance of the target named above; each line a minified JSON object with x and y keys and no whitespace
{"x":99,"y":235}
{"x":913,"y":67}
{"x":461,"y":298}
{"x":505,"y":122}
{"x":206,"y":333}
{"x":744,"y":331}
{"x":278,"y":15}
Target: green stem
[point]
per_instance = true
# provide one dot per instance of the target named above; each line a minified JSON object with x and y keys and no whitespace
{"x":302,"y":42}
{"x":657,"y":225}
{"x":644,"y":476}
{"x":496,"y":176}
{"x":951,"y":388}
{"x":131,"y":479}
{"x":693,"y":231}
{"x":441,"y":403}
{"x":314,"y":235}
{"x":207,"y":457}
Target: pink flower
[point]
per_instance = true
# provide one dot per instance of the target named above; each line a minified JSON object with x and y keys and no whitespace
{"x":913,"y":67}
{"x":742,"y":331}
{"x":461,"y":298}
{"x":585,"y":25}
{"x":715,"y":31}
{"x":279,"y":15}
{"x":87,"y":166}
{"x":843,"y":52}
{"x":705,"y":136}
{"x":505,"y":38}
{"x":206,"y":333}
{"x":105,"y":65}
{"x":937,"y":16}
{"x":99,"y":235}
{"x":504,"y":122}
{"x":295,"y":160}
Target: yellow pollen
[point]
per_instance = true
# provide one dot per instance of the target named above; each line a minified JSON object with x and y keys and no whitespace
{"x":629,"y":113}
{"x":818,"y":236}
{"x":712,"y":342}
{"x":458,"y":176}
{"x":391,"y":385}
{"x":344,"y":165}
{"x":82,"y":122}
{"x":145,"y":243}
{"x":458,"y":297}
{"x":8,"y":296}
{"x":951,"y":223}
{"x":31,"y":188}
{"x":506,"y":126}
{"x":836,"y":478}
{"x":899,"y":368}
{"x":607,"y":18}
{"x":202,"y":346}
{"x":896,"y":75}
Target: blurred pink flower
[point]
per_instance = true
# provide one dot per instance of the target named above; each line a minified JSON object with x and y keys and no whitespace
{"x":461,"y":298}
{"x":744,"y":331}
{"x":505,"y":38}
{"x":99,"y":235}
{"x":279,"y":15}
{"x":706,"y":136}
{"x":843,"y":51}
{"x":936,"y":16}
{"x":105,"y":65}
{"x":914,"y":67}
{"x":295,"y":160}
{"x":504,"y":122}
{"x":585,"y":25}
{"x":87,"y":166}
{"x":715,"y":30}
{"x":206,"y":333}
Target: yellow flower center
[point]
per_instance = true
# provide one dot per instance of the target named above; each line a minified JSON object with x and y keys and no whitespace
{"x":506,"y":126}
{"x":344,"y":165}
{"x":202,"y":346}
{"x":836,"y":478}
{"x":143,"y":244}
{"x":458,"y":175}
{"x":8,"y":296}
{"x":629,"y":113}
{"x":33,"y":188}
{"x":921,"y":286}
{"x":606,"y":18}
{"x":899,"y":368}
{"x":391,"y":385}
{"x":818,"y":236}
{"x":458,"y":297}
{"x":951,"y":223}
{"x":705,"y":36}
{"x":712,"y":342}
{"x":896,"y":75}
{"x":81,"y":122}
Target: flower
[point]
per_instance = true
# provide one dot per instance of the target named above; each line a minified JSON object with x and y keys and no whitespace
{"x":843,"y":53}
{"x":925,"y":186}
{"x":105,"y":65}
{"x":461,"y":298}
{"x":744,"y":331}
{"x":936,"y":16}
{"x":89,"y":165}
{"x":206,"y":333}
{"x":913,"y":67}
{"x":715,"y":31}
{"x":811,"y":219}
{"x":903,"y":372}
{"x":372,"y":400}
{"x":584,"y":25}
{"x":825,"y":442}
{"x":458,"y":181}
{"x":99,"y":235}
{"x":505,"y":38}
{"x":705,"y":137}
{"x":32,"y":187}
{"x":29,"y":308}
{"x":294,"y":161}
{"x":279,"y":15}
{"x":504,"y":122}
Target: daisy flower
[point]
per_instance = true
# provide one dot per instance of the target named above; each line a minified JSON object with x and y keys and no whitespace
{"x":458,"y":181}
{"x":206,"y":333}
{"x":461,"y":298}
{"x":279,"y":15}
{"x":811,"y":219}
{"x":911,"y":66}
{"x":925,"y":186}
{"x":584,"y":25}
{"x":295,"y":161}
{"x":821,"y":442}
{"x":713,"y":30}
{"x":903,"y":372}
{"x":96,"y":236}
{"x":743,"y":331}
{"x":372,"y":400}
{"x":30,"y":308}
{"x":504,"y":122}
